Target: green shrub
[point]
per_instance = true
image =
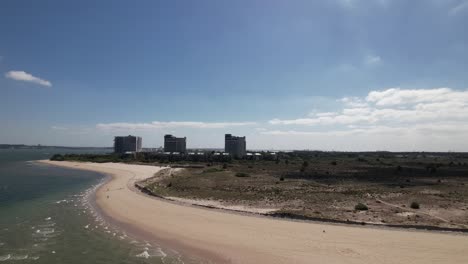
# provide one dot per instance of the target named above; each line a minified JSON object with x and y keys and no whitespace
{"x":57,"y":157}
{"x":210,"y":170}
{"x":414,"y":205}
{"x":361,"y":207}
{"x":242,"y":174}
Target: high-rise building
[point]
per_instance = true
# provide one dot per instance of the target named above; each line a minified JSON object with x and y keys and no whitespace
{"x":235,"y":146}
{"x":175,"y":144}
{"x":129,"y":143}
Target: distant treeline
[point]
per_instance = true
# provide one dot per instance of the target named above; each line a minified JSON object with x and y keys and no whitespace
{"x":99,"y":158}
{"x":145,"y":157}
{"x":293,"y":156}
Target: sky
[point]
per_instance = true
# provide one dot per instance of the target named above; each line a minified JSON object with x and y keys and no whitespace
{"x":343,"y":75}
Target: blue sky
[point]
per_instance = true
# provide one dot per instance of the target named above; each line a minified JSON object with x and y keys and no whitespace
{"x":329,"y":75}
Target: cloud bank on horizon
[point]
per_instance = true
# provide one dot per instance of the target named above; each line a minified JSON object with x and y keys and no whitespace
{"x":394,"y":106}
{"x":124,"y":126}
{"x":396,"y":117}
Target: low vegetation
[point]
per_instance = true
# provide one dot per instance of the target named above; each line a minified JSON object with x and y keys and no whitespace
{"x":242,"y":174}
{"x":361,"y":207}
{"x":414,"y":205}
{"x":326,"y":185}
{"x":98,"y":158}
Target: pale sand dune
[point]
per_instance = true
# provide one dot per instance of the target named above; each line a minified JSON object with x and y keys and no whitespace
{"x":228,"y":237}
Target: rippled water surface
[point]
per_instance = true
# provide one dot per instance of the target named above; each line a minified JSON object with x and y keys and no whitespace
{"x":45,"y":216}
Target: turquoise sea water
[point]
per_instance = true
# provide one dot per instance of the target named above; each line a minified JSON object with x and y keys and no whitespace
{"x":45,"y":218}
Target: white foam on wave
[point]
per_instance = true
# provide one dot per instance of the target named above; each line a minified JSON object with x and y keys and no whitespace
{"x":48,"y":218}
{"x":45,"y":231}
{"x":61,"y":201}
{"x":19,"y":257}
{"x":5,"y":257}
{"x":148,"y":253}
{"x":50,"y":224}
{"x":11,"y":257}
{"x":43,"y":234}
{"x":143,"y":249}
{"x":143,"y":254}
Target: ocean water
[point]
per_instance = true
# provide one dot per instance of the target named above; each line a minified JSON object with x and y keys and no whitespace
{"x":45,"y":216}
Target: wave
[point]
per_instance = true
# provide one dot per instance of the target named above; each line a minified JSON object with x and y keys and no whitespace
{"x":45,"y":225}
{"x":141,"y":249}
{"x":19,"y":257}
{"x":11,"y":257}
{"x":148,"y":253}
{"x":43,"y":234}
{"x":143,"y":254}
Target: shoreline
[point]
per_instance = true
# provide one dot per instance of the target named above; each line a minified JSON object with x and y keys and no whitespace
{"x":170,"y":246}
{"x":240,"y":238}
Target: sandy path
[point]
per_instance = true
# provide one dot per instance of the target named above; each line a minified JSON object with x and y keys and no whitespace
{"x":418,"y":212}
{"x":226,"y":237}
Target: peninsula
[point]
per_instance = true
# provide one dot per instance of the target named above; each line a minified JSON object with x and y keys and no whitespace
{"x":235,"y":238}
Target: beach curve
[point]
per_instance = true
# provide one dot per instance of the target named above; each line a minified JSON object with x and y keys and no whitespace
{"x":233,"y":238}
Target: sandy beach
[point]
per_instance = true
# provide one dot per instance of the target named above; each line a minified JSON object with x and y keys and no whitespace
{"x":222,"y":237}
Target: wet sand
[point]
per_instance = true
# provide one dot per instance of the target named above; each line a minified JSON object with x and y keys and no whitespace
{"x":223,"y":237}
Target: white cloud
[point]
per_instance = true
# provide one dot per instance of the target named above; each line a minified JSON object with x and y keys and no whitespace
{"x":59,"y":128}
{"x":371,"y":60}
{"x":171,"y":124}
{"x":353,"y":101}
{"x":441,"y":129}
{"x":306,"y":133}
{"x":397,"y":96}
{"x":354,"y":3}
{"x":443,"y":136}
{"x":26,"y":77}
{"x":394,"y":107}
{"x":459,"y":8}
{"x":364,"y":64}
{"x":347,"y":3}
{"x":323,"y":114}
